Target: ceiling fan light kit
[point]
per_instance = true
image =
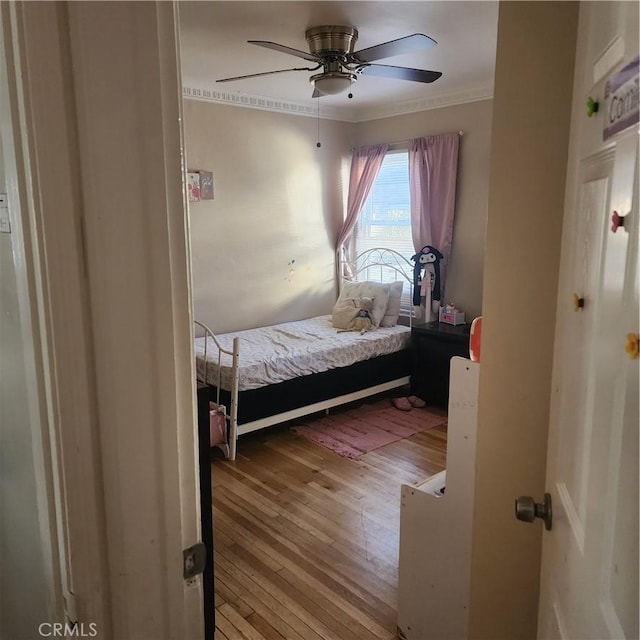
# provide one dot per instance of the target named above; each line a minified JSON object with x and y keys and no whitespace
{"x":332,"y":82}
{"x":331,"y":48}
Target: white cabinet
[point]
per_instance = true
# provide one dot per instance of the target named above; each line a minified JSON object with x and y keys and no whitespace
{"x":435,"y":526}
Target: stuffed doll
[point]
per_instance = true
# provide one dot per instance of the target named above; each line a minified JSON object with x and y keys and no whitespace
{"x":427,"y":260}
{"x":362,"y":322}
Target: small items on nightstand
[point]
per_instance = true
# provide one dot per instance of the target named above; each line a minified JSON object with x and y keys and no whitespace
{"x":450,"y":315}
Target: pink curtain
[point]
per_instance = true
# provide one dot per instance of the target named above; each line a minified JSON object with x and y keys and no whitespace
{"x":365,"y":165}
{"x":433,"y":167}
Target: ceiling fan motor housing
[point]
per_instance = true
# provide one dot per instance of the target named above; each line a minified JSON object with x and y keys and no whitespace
{"x":331,"y":40}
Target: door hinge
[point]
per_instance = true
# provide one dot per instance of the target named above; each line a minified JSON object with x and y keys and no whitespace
{"x":195,"y":560}
{"x":70,"y":609}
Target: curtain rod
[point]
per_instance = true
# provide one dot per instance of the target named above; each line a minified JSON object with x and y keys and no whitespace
{"x":460,"y":133}
{"x":400,"y":142}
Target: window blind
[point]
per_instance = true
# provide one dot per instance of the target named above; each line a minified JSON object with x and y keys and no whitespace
{"x":385,"y":219}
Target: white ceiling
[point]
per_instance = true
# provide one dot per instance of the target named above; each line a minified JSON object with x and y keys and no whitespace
{"x":214,"y":45}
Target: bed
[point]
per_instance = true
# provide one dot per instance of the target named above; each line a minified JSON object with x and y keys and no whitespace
{"x":269,"y":375}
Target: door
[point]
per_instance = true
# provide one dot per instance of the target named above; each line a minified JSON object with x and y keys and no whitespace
{"x":589,"y":574}
{"x":30,"y":583}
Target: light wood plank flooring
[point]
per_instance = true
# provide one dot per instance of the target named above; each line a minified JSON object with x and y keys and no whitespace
{"x":306,"y":541}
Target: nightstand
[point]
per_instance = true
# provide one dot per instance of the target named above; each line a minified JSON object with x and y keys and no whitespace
{"x":432,"y":346}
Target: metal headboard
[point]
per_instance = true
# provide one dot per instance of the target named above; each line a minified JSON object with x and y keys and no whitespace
{"x":381,"y":265}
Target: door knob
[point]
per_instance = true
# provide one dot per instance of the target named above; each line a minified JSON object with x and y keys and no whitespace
{"x":528,"y":510}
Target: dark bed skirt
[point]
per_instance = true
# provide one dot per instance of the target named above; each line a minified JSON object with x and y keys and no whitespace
{"x":300,"y":392}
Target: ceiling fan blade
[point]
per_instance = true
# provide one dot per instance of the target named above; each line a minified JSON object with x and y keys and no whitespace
{"x":399,"y":73}
{"x":408,"y":44}
{"x":268,"y":73}
{"x":280,"y":47}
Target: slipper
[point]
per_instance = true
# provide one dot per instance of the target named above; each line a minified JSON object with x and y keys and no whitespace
{"x":401,"y":403}
{"x":416,"y":402}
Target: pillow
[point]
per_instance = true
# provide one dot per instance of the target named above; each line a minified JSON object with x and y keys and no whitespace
{"x":356,"y":290}
{"x":344,"y":312}
{"x":390,"y":318}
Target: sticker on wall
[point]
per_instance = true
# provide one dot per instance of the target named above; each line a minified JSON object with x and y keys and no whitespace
{"x":200,"y":185}
{"x":292,"y":270}
{"x":206,"y":185}
{"x":193,"y":186}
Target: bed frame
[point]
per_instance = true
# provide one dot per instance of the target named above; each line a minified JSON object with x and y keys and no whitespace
{"x":255,"y":409}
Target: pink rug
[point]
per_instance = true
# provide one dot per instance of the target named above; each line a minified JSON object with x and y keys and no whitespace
{"x":354,"y":432}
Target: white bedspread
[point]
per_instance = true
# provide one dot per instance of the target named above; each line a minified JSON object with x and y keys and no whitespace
{"x":269,"y":355}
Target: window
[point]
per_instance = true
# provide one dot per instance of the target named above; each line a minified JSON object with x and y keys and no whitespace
{"x":385,"y":219}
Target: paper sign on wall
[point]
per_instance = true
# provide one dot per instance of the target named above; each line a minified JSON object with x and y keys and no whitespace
{"x":206,"y":185}
{"x":200,"y":185}
{"x":622,"y":99}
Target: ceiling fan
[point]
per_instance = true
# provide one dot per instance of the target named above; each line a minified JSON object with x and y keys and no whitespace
{"x":331,"y":49}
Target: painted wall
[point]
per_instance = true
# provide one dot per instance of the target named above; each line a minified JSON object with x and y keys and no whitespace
{"x":279,"y":199}
{"x":464,"y":278}
{"x":263,"y":249}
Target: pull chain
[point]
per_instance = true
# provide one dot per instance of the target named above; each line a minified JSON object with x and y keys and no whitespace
{"x":318,"y":143}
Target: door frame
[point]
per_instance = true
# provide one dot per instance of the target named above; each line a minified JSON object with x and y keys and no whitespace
{"x":529,"y":151}
{"x":123,"y":467}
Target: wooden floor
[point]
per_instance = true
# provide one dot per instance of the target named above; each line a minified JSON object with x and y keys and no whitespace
{"x":306,"y":541}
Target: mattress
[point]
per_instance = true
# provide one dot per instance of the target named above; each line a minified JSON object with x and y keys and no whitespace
{"x":269,"y":355}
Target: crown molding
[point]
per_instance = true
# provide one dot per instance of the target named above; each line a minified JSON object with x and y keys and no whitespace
{"x":424,"y":104}
{"x":260,"y":102}
{"x":193,"y":91}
